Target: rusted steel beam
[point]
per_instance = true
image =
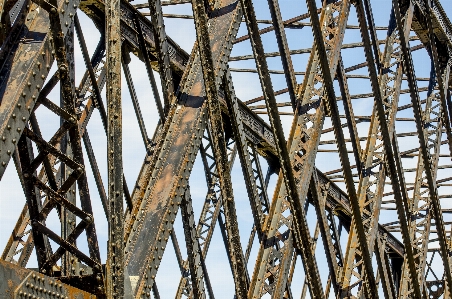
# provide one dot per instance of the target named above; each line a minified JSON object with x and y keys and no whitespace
{"x":254,"y":180}
{"x":304,"y":290}
{"x":97,"y":97}
{"x":357,"y":231}
{"x":63,"y":48}
{"x":19,"y":282}
{"x":426,"y":156}
{"x":32,"y":196}
{"x":421,"y":223}
{"x":16,"y":94}
{"x":349,"y":114}
{"x":147,"y":62}
{"x":161,"y":46}
{"x":67,"y":78}
{"x":393,"y":160}
{"x":308,"y":51}
{"x":185,"y":129}
{"x":287,"y":192}
{"x":372,"y":173}
{"x":328,"y":230}
{"x":22,"y":222}
{"x":258,"y":200}
{"x":95,"y":169}
{"x":442,"y":70}
{"x":211,"y":208}
{"x":115,"y":261}
{"x":267,"y":150}
{"x":283,"y":50}
{"x":439,"y":20}
{"x":193,"y":249}
{"x":136,"y":105}
{"x":384,"y":268}
{"x":212,"y":83}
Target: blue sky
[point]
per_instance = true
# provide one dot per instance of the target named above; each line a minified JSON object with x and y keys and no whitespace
{"x":247,"y":87}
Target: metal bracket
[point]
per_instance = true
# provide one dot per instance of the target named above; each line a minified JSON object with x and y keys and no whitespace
{"x":39,"y":286}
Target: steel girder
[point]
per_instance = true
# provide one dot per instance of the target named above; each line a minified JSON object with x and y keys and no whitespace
{"x":412,"y":263}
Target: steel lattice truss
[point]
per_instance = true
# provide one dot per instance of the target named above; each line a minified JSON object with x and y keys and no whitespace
{"x":361,"y":181}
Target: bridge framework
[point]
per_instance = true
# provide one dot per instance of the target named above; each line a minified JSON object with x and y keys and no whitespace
{"x":382,"y":216}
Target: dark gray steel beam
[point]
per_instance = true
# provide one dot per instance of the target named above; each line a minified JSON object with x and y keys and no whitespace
{"x":184,"y":129}
{"x":193,"y":249}
{"x":16,"y":94}
{"x":398,"y":186}
{"x":370,"y":287}
{"x":147,"y":62}
{"x":115,"y":260}
{"x":283,"y":50}
{"x":417,"y":109}
{"x":212,"y":84}
{"x":301,"y":231}
{"x":328,"y":231}
{"x":161,"y":46}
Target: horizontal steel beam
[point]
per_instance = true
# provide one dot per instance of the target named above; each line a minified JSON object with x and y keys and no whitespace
{"x":256,"y":129}
{"x":18,"y":282}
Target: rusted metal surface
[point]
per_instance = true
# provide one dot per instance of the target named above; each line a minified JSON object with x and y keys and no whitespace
{"x":172,"y":169}
{"x":115,"y":270}
{"x":389,"y":204}
{"x":18,"y":282}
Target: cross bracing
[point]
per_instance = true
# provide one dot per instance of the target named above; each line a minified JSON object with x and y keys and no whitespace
{"x":306,"y":145}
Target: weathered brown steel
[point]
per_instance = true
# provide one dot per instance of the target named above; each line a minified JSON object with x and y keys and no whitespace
{"x":201,"y":115}
{"x":115,"y":263}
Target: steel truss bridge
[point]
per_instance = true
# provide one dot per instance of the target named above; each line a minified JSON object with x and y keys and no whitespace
{"x":361,"y":181}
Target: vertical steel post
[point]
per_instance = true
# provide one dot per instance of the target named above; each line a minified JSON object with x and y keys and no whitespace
{"x":219,"y":148}
{"x":115,"y":264}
